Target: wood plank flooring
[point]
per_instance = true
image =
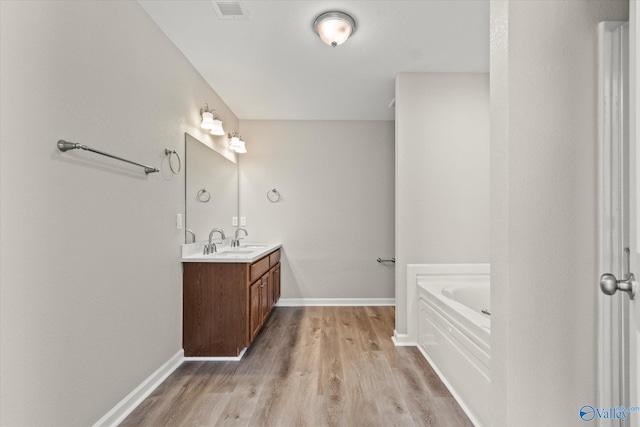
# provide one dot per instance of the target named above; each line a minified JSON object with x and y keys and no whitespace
{"x":310,"y":366}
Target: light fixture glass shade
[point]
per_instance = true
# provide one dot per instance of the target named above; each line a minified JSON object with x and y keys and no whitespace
{"x":241,"y":149}
{"x":207,"y":120}
{"x":334,"y":28}
{"x":234,"y":142}
{"x":217,"y":127}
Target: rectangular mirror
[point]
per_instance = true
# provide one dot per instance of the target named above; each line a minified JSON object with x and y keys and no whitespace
{"x":211,"y":190}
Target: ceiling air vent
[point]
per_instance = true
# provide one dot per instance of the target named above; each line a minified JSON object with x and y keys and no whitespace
{"x":230,"y":10}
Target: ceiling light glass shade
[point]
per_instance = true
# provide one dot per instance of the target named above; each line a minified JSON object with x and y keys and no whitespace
{"x":334,"y":28}
{"x":241,"y":149}
{"x":207,"y":120}
{"x":217,"y":127}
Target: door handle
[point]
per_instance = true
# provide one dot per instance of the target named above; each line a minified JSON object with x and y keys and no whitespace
{"x":609,"y":284}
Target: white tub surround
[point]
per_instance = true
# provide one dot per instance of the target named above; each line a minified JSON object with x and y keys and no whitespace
{"x":454,"y":334}
{"x":249,"y":252}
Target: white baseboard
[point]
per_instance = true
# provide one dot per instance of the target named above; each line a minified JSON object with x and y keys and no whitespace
{"x":320,"y":302}
{"x":119,"y":412}
{"x":402,"y":340}
{"x":217,"y":359}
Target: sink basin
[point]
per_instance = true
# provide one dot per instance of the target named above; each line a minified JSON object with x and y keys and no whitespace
{"x":257,"y":246}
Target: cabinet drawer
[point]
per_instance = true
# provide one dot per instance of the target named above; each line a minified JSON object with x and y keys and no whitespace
{"x":274,"y":258}
{"x":258,"y":268}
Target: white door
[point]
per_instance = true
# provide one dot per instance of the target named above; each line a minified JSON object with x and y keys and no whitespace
{"x":618,"y":307}
{"x":634,"y":131}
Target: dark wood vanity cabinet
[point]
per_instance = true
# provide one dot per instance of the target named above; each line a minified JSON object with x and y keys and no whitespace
{"x":226,"y":304}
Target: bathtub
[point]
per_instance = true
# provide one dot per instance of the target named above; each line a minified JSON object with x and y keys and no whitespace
{"x":454,"y":334}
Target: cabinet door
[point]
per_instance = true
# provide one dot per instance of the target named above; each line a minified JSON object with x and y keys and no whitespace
{"x":275,"y":283}
{"x":264,"y":296}
{"x":272,"y":288}
{"x":214,"y":309}
{"x":255,"y":315}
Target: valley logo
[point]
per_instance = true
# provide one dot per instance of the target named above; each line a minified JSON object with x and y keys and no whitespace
{"x":589,"y":413}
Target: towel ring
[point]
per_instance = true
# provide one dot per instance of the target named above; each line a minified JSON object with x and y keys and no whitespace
{"x":170,"y":153}
{"x":204,"y":196}
{"x":273,"y":195}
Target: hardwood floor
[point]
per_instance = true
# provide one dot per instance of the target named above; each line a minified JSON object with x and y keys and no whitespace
{"x":310,"y":366}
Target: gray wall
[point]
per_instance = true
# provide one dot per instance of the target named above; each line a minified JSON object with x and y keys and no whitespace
{"x":336,"y":213}
{"x":543,"y":189}
{"x":442,"y":176}
{"x":90,"y":273}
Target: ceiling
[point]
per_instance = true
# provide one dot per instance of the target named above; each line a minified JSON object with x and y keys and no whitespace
{"x":271,"y":64}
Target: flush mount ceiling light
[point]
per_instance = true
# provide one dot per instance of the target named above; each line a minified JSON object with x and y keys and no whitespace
{"x":211,"y":122}
{"x":334,"y":28}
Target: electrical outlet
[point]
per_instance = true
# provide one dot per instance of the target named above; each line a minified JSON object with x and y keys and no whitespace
{"x":243,"y":220}
{"x":234,"y":221}
{"x":178,"y":221}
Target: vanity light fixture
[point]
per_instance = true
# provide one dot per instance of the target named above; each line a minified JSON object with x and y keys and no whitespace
{"x":217,"y":127}
{"x":236,"y":143}
{"x":234,"y":140}
{"x":241,"y":148}
{"x":334,"y":28}
{"x":214,"y":124}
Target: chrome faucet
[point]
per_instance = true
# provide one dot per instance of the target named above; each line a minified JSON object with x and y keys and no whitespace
{"x":236,"y":241}
{"x":211,"y":247}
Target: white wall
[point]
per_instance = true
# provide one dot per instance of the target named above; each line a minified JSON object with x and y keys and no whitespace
{"x":90,"y":275}
{"x":442,"y":177}
{"x":336,"y":216}
{"x":543,"y":187}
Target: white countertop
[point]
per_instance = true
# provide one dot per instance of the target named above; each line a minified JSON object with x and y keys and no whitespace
{"x":246,"y":253}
